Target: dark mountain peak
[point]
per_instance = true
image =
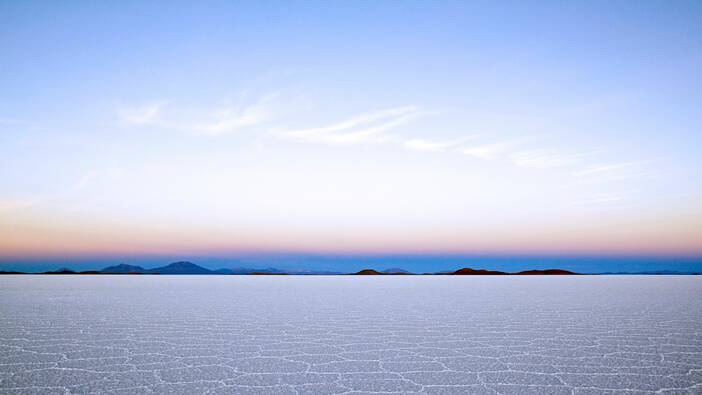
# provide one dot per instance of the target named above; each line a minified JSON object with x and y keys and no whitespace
{"x":123,"y":268}
{"x":368,"y":272}
{"x":546,"y":272}
{"x":466,"y":271}
{"x":182,"y":264}
{"x":181,"y":268}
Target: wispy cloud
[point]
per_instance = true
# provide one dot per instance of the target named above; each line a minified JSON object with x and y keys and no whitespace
{"x":234,"y":118}
{"x":607,"y":168}
{"x":518,"y":152}
{"x":146,"y":114}
{"x":221,"y":121}
{"x":373,"y":128}
{"x":364,"y":128}
{"x":615,"y":172}
{"x":546,"y":159}
{"x":488,"y":151}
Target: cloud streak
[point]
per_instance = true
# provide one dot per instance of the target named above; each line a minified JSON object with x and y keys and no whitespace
{"x":546,"y":159}
{"x":607,"y":168}
{"x":371,"y":127}
{"x":374,"y":127}
{"x":361,"y":129}
{"x":232,"y":119}
{"x":147,"y":114}
{"x":225,"y":120}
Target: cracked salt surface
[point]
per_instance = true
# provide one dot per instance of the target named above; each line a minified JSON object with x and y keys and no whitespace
{"x":346,"y":334}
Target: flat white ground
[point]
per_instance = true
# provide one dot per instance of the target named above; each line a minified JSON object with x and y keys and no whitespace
{"x":350,"y":334}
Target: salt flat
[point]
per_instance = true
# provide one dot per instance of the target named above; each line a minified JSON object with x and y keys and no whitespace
{"x":351,"y":334}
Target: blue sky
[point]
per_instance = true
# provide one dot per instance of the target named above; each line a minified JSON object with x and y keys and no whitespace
{"x":221,"y":129}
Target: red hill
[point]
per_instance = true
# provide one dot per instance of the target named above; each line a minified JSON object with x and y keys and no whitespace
{"x":368,"y":272}
{"x":466,"y":271}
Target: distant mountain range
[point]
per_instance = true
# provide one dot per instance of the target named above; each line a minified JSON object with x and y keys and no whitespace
{"x":124,"y":269}
{"x":184,"y":268}
{"x":189,"y":268}
{"x":466,"y":271}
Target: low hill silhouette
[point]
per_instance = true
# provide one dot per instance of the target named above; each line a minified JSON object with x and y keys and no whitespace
{"x":466,"y":271}
{"x":181,"y":268}
{"x":368,"y":272}
{"x":123,"y":269}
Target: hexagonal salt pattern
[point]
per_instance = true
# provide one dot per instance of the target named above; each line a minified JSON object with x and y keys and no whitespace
{"x":348,"y":334}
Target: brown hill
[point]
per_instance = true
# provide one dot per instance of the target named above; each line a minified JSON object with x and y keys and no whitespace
{"x":545,"y":272}
{"x":368,"y":272}
{"x":466,"y":271}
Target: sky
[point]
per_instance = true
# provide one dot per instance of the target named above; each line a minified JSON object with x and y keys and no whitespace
{"x":146,"y":131}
